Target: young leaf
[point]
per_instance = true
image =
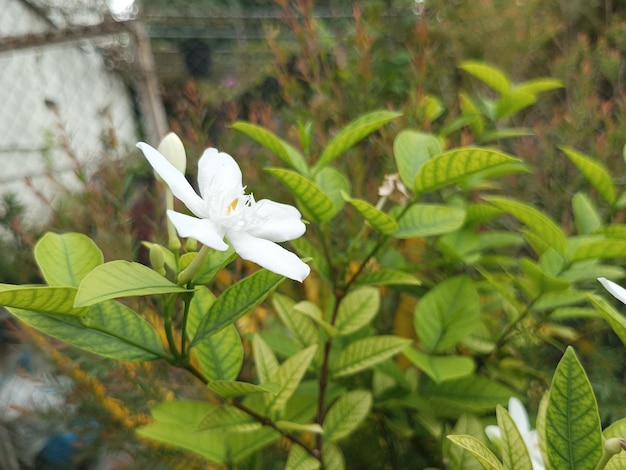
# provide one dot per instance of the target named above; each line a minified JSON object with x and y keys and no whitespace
{"x":264,"y":359}
{"x":471,"y":115}
{"x":426,"y":220}
{"x":357,"y":309}
{"x":350,"y":135}
{"x":572,"y":428}
{"x":333,"y":457}
{"x":300,"y":326}
{"x":447,"y":314}
{"x":539,"y":85}
{"x":220,"y":355}
{"x":270,"y":141}
{"x":440,"y":368}
{"x":604,"y":249}
{"x":455,"y":165}
{"x":387,"y":277}
{"x":411,"y":149}
{"x":586,"y":215}
{"x":366,"y":352}
{"x":488,"y":74}
{"x":41,"y":299}
{"x":121,"y":279}
{"x":334,"y":184}
{"x":288,"y":376}
{"x":595,"y":173}
{"x":64,"y":260}
{"x":479,"y":450}
{"x":232,"y":388}
{"x":236,"y":301}
{"x":346,"y":414}
{"x":376,"y":218}
{"x":315,"y":202}
{"x":227,"y":418}
{"x":300,"y":459}
{"x":535,"y":220}
{"x":512,"y":102}
{"x":514,"y":451}
{"x":214,"y":262}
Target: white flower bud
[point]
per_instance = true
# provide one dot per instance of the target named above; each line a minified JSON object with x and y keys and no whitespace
{"x":172,"y":148}
{"x":613,"y":446}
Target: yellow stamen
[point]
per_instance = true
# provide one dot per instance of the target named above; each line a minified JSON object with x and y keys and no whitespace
{"x":232,"y":206}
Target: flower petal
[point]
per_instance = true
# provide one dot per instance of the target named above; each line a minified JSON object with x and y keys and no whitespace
{"x":203,"y":230}
{"x":520,"y":417}
{"x":282,"y":222}
{"x":218,"y":173}
{"x":174,"y":179}
{"x":616,"y":291}
{"x":269,"y":255}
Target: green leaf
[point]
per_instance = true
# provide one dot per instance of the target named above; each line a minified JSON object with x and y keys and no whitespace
{"x":618,"y":430}
{"x":601,"y":249}
{"x":353,"y":133}
{"x":586,"y":215}
{"x":425,"y":220}
{"x":316,"y":204}
{"x":41,"y":299}
{"x":121,"y":279}
{"x":472,"y":115}
{"x":333,"y":457}
{"x":212,"y":264}
{"x":539,"y":85}
{"x":455,"y":165}
{"x":616,"y":321}
{"x":236,"y":301}
{"x":305,"y":249}
{"x":64,"y":260}
{"x":313,"y":312}
{"x":447,"y":314}
{"x":488,"y":74}
{"x":288,"y":376}
{"x":440,"y":368}
{"x":366,"y":352}
{"x":535,"y":220}
{"x":301,"y":327}
{"x":175,"y":423}
{"x":411,"y":149}
{"x":109,"y":329}
{"x":227,"y":418}
{"x":357,"y":309}
{"x":595,"y":173}
{"x":387,"y":277}
{"x":346,"y":414}
{"x":512,"y":102}
{"x":572,"y":428}
{"x":458,"y":457}
{"x":479,"y":450}
{"x":264,"y":359}
{"x":376,"y":218}
{"x":334,"y":184}
{"x":221,"y":355}
{"x":514,"y":451}
{"x":298,"y":427}
{"x":270,"y":141}
{"x":241,"y":445}
{"x":231,"y":388}
{"x":300,"y":459}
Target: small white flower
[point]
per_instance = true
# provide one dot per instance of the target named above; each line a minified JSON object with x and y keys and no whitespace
{"x":616,"y":291}
{"x":224,"y":210}
{"x":520,"y":418}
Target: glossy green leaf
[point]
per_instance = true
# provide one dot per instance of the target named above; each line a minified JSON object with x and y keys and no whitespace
{"x":479,"y":450}
{"x":426,"y":220}
{"x":316,"y":204}
{"x":357,"y":309}
{"x":586,"y":215}
{"x":220,"y":355}
{"x":41,"y":299}
{"x":387,"y":277}
{"x":353,"y":133}
{"x":515,"y":454}
{"x":64,"y":260}
{"x":264,"y":360}
{"x":573,"y":431}
{"x":109,"y":329}
{"x":288,"y":376}
{"x":376,"y":218}
{"x":301,"y":327}
{"x":488,"y":74}
{"x":346,"y":414}
{"x":270,"y":141}
{"x":595,"y":173}
{"x":236,"y":301}
{"x":232,"y":388}
{"x":411,"y":149}
{"x":440,"y":368}
{"x":121,"y":279}
{"x":601,"y":249}
{"x":535,"y":220}
{"x":334,"y":184}
{"x":300,"y":459}
{"x":227,"y":418}
{"x":364,"y":353}
{"x":447,"y":314}
{"x":212,"y":264}
{"x":455,"y":165}
{"x":513,"y":102}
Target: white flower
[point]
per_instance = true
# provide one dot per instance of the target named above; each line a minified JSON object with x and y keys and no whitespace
{"x":520,"y":418}
{"x":616,"y":291}
{"x":224,"y":210}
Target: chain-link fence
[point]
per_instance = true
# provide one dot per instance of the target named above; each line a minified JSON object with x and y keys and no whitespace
{"x":76,"y":85}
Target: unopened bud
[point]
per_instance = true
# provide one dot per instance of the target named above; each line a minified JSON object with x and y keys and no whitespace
{"x":191,"y":244}
{"x":614,"y":445}
{"x":172,"y":148}
{"x":157,"y":259}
